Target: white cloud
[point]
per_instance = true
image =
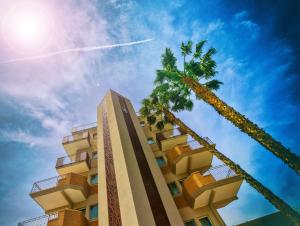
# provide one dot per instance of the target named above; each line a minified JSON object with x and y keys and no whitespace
{"x":241,"y":15}
{"x":51,"y":86}
{"x":24,"y":137}
{"x":241,"y":20}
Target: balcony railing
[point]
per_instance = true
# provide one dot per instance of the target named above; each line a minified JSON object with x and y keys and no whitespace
{"x":169,"y":134}
{"x":194,"y":145}
{"x":188,"y":157}
{"x":73,"y":159}
{"x":71,"y":138}
{"x":84,"y":127}
{"x":220,"y":172}
{"x":208,"y":140}
{"x":223,"y":182}
{"x":39,"y":221}
{"x":46,"y":184}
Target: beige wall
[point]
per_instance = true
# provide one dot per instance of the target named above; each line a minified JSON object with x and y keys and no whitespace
{"x":167,"y":199}
{"x":124,"y":162}
{"x":102,"y":199}
{"x":134,"y":183}
{"x":134,"y":205}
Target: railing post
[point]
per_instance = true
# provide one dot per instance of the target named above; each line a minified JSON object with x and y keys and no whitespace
{"x":59,"y":162}
{"x":229,"y":172}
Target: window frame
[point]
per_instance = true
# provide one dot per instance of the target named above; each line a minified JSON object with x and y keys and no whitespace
{"x":142,"y":123}
{"x":181,"y":181}
{"x":150,"y":138}
{"x":95,"y":155}
{"x":206,"y":216}
{"x":91,"y":183}
{"x":90,"y":211}
{"x":192,"y":220}
{"x":161,"y":157}
{"x":178,"y":190}
{"x":94,"y":135}
{"x":81,"y":210}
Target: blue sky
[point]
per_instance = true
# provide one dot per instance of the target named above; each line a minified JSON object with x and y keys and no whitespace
{"x":258,"y":55}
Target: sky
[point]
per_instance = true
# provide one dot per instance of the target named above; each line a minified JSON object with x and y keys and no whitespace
{"x":258,"y":51}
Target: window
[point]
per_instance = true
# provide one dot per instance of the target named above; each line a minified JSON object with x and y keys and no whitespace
{"x":150,"y":140}
{"x":94,"y":212}
{"x":95,"y":155}
{"x":173,"y":188}
{"x":181,"y":181}
{"x":94,"y":135}
{"x":160,"y":161}
{"x":205,"y":221}
{"x":190,"y":223}
{"x":83,"y":210}
{"x":94,"y":179}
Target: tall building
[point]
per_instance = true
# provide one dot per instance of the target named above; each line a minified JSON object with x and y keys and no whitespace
{"x":121,"y":171}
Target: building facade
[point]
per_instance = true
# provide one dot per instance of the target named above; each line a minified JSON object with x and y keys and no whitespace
{"x":120,"y":171}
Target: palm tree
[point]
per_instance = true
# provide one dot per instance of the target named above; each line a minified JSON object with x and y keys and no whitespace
{"x":156,"y":110}
{"x":202,"y":66}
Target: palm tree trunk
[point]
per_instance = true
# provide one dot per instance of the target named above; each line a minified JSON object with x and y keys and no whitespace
{"x":268,"y":194}
{"x":244,"y":124}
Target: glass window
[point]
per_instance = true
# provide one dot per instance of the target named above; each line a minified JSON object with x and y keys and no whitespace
{"x":94,"y":211}
{"x":150,"y":140}
{"x":83,"y":210}
{"x":95,"y":155}
{"x":160,"y":161}
{"x":181,"y":182}
{"x":205,"y":221}
{"x":173,"y":188}
{"x":94,"y":179}
{"x":94,"y":135}
{"x":190,"y":223}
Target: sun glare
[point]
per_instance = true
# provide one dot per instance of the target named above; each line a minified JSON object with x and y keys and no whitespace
{"x":27,"y":28}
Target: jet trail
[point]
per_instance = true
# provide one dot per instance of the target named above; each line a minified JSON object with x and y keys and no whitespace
{"x":80,"y":49}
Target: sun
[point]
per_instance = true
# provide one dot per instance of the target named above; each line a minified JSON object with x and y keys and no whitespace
{"x":27,"y":28}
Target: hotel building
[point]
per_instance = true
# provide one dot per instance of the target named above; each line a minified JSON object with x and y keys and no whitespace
{"x":120,"y":171}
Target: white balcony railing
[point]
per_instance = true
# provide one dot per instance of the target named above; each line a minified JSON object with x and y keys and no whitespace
{"x":39,"y":221}
{"x":220,"y":172}
{"x":84,"y":127}
{"x":46,"y":184}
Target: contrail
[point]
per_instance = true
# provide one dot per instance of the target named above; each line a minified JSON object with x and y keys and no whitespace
{"x":80,"y":49}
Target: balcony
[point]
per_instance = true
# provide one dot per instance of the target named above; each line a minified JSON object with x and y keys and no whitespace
{"x":189,"y":157}
{"x":76,"y":141}
{"x":218,"y":186}
{"x":60,"y":191}
{"x":170,"y":138}
{"x":40,"y":221}
{"x":61,"y":218}
{"x":90,"y":126}
{"x":78,"y":163}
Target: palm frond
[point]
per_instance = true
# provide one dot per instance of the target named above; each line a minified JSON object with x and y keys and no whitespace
{"x":165,"y":75}
{"x":186,"y":49}
{"x":198,"y":50}
{"x":213,"y":84}
{"x":168,"y":60}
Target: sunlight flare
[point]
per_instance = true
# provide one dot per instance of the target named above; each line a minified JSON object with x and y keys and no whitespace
{"x":27,"y":28}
